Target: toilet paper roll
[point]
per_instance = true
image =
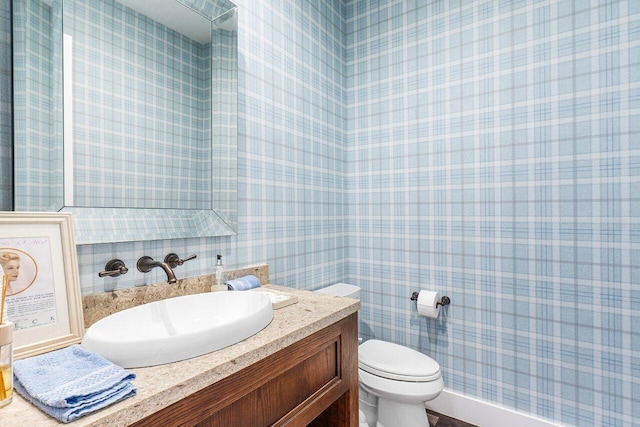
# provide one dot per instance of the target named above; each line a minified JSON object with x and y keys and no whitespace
{"x":427,"y":301}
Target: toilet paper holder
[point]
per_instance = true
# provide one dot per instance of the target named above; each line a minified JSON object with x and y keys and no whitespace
{"x":443,"y":301}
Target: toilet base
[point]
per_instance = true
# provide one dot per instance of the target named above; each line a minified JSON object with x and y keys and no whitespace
{"x":362,"y":420}
{"x":368,"y":405}
{"x":392,"y":413}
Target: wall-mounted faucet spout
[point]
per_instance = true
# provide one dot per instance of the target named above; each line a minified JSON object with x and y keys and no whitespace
{"x":145,"y":264}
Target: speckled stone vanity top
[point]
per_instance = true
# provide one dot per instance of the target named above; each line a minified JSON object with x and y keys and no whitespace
{"x":161,"y":386}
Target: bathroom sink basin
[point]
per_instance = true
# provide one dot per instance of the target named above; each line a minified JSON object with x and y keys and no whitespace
{"x":178,"y":328}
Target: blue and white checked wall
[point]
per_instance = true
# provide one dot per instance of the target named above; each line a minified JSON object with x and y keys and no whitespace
{"x":291,"y":157}
{"x":33,"y":73}
{"x":142,"y":88}
{"x":6,"y":154}
{"x":494,"y":156}
{"x":486,"y":149}
{"x":145,"y":76}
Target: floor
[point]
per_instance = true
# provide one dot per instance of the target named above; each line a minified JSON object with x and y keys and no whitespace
{"x":439,"y":420}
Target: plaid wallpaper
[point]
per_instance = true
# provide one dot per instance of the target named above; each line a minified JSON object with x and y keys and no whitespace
{"x":36,"y":86}
{"x":159,"y":96}
{"x":6,"y":126}
{"x":494,"y":156}
{"x":291,"y":158}
{"x":489,"y":150}
{"x":291,"y":141}
{"x":153,"y":86}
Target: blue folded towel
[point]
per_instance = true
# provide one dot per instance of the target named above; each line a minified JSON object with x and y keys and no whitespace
{"x":71,"y":382}
{"x":67,"y":415}
{"x":243,"y":283}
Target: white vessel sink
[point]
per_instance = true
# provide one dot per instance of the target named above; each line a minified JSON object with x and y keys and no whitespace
{"x":178,"y":328}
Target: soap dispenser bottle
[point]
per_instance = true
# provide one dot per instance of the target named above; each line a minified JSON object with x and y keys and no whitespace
{"x":220,"y":277}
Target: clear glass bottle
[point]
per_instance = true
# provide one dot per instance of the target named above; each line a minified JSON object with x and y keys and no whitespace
{"x":220,"y":277}
{"x":6,"y":363}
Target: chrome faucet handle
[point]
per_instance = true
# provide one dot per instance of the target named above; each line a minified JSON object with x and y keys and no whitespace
{"x":114,"y":268}
{"x":174,"y":260}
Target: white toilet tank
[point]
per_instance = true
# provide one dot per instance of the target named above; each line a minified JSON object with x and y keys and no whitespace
{"x":341,"y":290}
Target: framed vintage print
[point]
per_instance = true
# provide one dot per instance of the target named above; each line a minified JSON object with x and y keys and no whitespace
{"x":38,"y":254}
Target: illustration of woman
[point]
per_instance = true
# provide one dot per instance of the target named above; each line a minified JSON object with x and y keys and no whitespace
{"x":10,"y":263}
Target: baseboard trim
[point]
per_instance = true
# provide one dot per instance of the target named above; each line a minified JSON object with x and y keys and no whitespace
{"x":482,"y":414}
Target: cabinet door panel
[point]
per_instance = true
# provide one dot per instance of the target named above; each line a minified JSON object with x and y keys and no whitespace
{"x":316,"y":377}
{"x":274,"y":400}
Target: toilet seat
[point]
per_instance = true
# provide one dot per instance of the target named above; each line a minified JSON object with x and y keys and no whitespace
{"x":396,"y":362}
{"x":400,"y":391}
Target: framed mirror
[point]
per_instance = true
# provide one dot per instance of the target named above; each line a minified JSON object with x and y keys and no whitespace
{"x":126,"y":116}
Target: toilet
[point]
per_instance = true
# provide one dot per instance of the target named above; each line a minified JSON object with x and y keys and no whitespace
{"x":395,"y":381}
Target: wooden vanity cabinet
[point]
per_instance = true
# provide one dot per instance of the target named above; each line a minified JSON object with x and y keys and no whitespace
{"x":313,"y":382}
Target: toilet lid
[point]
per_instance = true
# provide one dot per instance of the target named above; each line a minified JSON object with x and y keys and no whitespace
{"x":396,"y":362}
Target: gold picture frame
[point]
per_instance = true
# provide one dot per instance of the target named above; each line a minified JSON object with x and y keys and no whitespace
{"x":38,"y":251}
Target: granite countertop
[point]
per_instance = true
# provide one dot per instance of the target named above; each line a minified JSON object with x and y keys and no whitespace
{"x":163,"y":385}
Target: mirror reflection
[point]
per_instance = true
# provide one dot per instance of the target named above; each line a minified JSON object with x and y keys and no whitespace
{"x":126,"y":115}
